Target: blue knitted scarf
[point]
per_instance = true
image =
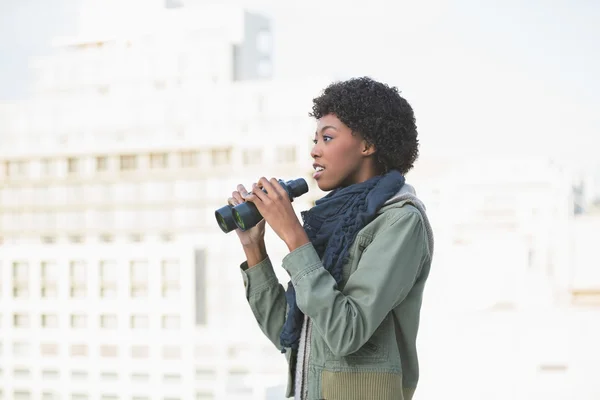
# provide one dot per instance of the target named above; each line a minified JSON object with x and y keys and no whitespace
{"x":331,"y":226}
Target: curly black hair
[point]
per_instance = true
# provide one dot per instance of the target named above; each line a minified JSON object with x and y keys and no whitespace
{"x":379,"y":114}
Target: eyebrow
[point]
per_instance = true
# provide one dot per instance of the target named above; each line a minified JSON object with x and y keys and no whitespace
{"x":325,"y":128}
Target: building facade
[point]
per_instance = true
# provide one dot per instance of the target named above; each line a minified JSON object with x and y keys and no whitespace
{"x":115,"y":280}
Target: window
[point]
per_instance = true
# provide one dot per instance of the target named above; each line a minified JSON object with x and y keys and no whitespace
{"x":170,"y":322}
{"x":48,"y":168}
{"x":171,"y":353}
{"x":140,"y":377}
{"x":109,"y":376}
{"x":78,"y":321}
{"x":79,"y":396}
{"x":106,"y":238}
{"x":49,"y":321}
{"x":21,"y":373}
{"x":49,"y":349}
{"x":128,"y":162}
{"x":108,"y":279}
{"x":50,"y":396}
{"x":76,"y":238}
{"x":139,"y":322}
{"x":78,"y":272}
{"x":189,"y":159}
{"x":50,"y":374}
{"x":21,"y":321}
{"x":204,"y":396}
{"x":48,"y":239}
{"x":109,"y":351}
{"x":101,"y":163}
{"x":79,"y":375}
{"x":221,"y":156}
{"x":79,"y":350}
{"x":139,"y":278}
{"x":170,"y":278}
{"x":136,"y":238}
{"x":205,"y":375}
{"x":140,"y":352}
{"x":252,"y":157}
{"x":16,"y":169}
{"x":238,"y":380}
{"x":108,"y":321}
{"x":72,"y":166}
{"x":285,"y":155}
{"x":172,"y":378}
{"x":158,"y":160}
{"x":20,"y":279}
{"x":21,"y":349}
{"x":21,"y":395}
{"x":49,"y":280}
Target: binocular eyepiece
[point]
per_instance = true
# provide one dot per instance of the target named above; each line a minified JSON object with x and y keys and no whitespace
{"x":244,"y":216}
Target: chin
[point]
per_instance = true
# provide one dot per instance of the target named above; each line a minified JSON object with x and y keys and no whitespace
{"x":326,"y":186}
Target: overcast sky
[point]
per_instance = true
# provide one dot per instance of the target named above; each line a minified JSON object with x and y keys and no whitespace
{"x":500,"y":72}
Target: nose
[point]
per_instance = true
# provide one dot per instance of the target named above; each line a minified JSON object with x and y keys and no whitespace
{"x":316,"y":151}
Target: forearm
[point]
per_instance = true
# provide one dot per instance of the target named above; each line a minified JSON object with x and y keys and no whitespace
{"x":255,"y":253}
{"x":266,"y":298}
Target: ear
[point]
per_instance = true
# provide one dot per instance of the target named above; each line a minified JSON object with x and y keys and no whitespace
{"x":367,"y":148}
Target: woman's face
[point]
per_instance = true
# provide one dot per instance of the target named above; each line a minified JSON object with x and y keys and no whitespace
{"x":340,"y":157}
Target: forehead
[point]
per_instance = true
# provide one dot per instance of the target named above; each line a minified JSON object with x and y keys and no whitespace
{"x":330,"y":120}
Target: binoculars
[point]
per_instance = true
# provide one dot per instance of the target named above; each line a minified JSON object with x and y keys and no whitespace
{"x":244,"y":216}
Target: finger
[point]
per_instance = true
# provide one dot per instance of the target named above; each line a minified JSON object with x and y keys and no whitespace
{"x":237,"y":197}
{"x":242,"y":190}
{"x":257,"y":194}
{"x":266,"y":185}
{"x":232,"y":202}
{"x":278,"y":188}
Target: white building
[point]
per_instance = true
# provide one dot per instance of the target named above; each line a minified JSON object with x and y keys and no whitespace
{"x":503,"y":227}
{"x":115,"y":281}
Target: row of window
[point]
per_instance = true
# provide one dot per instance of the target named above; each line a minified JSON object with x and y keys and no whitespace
{"x":140,"y":220}
{"x":202,"y":374}
{"x":20,"y":349}
{"x":81,"y":375}
{"x":93,"y":193}
{"x":51,"y":395}
{"x":80,"y":166}
{"x":108,"y":279}
{"x":106,"y":321}
{"x":79,"y":239}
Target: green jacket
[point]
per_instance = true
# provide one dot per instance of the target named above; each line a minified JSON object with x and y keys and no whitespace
{"x":359,"y":339}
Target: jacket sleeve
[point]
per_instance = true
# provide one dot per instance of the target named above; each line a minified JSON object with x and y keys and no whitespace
{"x":386,"y":272}
{"x":266,"y":297}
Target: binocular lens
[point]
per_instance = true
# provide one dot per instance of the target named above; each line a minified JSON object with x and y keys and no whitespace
{"x":238,"y":220}
{"x":225,"y":219}
{"x":221,"y":221}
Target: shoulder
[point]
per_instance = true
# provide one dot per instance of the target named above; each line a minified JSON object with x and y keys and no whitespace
{"x":396,"y":218}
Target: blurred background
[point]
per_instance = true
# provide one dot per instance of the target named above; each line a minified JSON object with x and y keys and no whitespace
{"x":125,"y":124}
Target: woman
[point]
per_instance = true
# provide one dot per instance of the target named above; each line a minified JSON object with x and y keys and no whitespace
{"x":358,"y":264}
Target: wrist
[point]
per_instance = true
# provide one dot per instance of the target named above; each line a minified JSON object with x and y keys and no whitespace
{"x":297,"y":239}
{"x":255,"y":253}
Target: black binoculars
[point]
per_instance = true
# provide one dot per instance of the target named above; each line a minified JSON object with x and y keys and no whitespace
{"x":244,"y":216}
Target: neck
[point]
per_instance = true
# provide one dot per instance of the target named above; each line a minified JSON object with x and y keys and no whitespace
{"x":364,"y":173}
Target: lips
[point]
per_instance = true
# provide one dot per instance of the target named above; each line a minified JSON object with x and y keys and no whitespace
{"x":318,"y":170}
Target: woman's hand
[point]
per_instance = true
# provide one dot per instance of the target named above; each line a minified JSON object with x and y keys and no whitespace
{"x":276,"y":208}
{"x":254,"y":235}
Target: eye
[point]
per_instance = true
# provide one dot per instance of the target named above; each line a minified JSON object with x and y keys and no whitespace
{"x":314,"y":141}
{"x":327,"y":138}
